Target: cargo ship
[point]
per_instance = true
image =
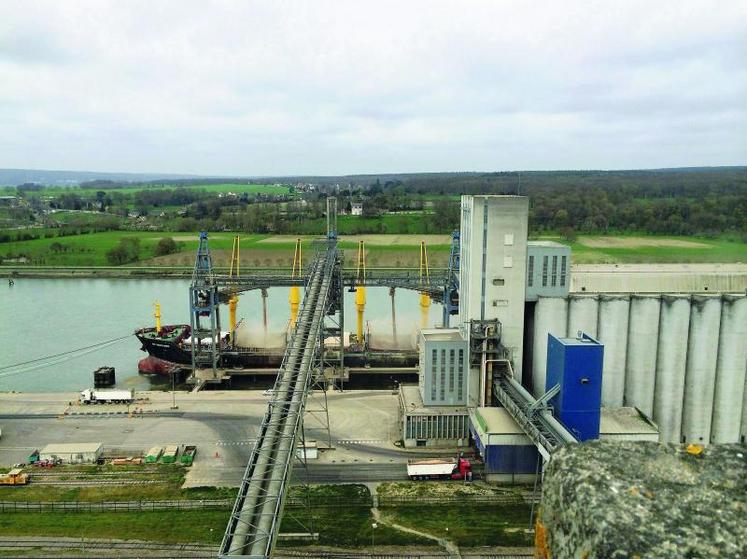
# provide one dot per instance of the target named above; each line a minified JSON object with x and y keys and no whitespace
{"x":170,"y":347}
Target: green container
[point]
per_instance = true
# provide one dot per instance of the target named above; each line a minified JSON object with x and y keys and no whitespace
{"x":188,"y":455}
{"x":33,"y":457}
{"x":153,"y":455}
{"x":169,"y":454}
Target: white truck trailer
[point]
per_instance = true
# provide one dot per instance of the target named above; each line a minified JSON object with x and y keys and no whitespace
{"x":106,"y":396}
{"x":437,"y":468}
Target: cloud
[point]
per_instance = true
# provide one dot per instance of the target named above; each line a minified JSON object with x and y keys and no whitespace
{"x":258,"y":88}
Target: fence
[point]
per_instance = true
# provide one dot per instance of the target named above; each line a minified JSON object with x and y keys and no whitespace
{"x":291,"y":502}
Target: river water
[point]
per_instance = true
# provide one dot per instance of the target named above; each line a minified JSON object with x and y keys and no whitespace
{"x":44,"y":317}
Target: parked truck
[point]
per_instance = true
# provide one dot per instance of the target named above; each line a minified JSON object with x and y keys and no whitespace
{"x":14,"y":477}
{"x":439,"y":468}
{"x":106,"y":396}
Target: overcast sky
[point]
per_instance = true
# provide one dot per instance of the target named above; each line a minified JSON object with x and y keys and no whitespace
{"x":263,"y":88}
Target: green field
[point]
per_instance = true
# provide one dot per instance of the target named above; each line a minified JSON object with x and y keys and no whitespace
{"x":237,"y":188}
{"x":90,"y":250}
{"x":262,"y":251}
{"x":468,"y":525}
{"x":655,"y":249}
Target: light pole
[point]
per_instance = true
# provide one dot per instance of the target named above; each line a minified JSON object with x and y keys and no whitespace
{"x":373,"y":538}
{"x":173,"y":389}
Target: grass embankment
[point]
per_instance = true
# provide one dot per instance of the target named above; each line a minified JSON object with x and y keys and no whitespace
{"x":340,"y":514}
{"x":470,"y":524}
{"x":199,"y":526}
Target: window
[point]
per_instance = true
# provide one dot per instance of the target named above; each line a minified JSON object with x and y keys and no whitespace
{"x":460,"y":375}
{"x":544,"y":271}
{"x":434,"y":364}
{"x":443,"y":375}
{"x":530,"y":271}
{"x":499,"y":281}
{"x":555,"y":270}
{"x":451,"y":371}
{"x":508,"y":261}
{"x":508,"y":239}
{"x":563,"y":264}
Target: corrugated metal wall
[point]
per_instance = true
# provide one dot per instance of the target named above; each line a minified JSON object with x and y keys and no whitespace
{"x":680,"y":358}
{"x":436,"y":426}
{"x":507,"y":459}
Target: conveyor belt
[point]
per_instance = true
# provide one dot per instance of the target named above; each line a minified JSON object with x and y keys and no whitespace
{"x":546,"y":432}
{"x":255,"y":519}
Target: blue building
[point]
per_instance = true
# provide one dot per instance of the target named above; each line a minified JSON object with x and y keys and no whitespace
{"x":575,"y":364}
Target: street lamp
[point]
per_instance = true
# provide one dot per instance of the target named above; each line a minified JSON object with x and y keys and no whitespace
{"x":373,"y":539}
{"x":173,"y":389}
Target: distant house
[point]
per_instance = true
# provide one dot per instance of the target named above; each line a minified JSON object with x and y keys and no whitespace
{"x":356,"y":208}
{"x":9,"y":201}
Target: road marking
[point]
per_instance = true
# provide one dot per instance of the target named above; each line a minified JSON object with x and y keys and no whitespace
{"x":359,"y":441}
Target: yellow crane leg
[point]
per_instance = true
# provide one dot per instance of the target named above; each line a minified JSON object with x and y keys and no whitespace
{"x":425,"y":305}
{"x":294,"y":298}
{"x":232,"y":304}
{"x":157,"y":315}
{"x":360,"y":305}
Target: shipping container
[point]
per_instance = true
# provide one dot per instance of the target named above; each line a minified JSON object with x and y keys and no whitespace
{"x":153,"y":455}
{"x":188,"y":455}
{"x":169,"y":454}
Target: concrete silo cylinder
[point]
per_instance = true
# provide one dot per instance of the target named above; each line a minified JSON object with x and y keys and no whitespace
{"x":643,"y":341}
{"x":550,"y":317}
{"x":671,"y":359}
{"x":613,"y":333}
{"x":731,"y":367}
{"x":700,"y":377}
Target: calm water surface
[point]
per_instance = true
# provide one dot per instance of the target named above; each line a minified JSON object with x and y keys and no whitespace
{"x":42,"y":317}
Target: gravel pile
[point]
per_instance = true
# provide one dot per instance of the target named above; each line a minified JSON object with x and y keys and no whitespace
{"x":641,"y":499}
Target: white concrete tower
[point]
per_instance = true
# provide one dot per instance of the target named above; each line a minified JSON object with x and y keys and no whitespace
{"x":492,"y":275}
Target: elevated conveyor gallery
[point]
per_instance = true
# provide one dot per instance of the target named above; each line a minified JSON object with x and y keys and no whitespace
{"x":255,"y":519}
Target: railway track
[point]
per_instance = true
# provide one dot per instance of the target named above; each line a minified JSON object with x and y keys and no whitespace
{"x":96,"y":482}
{"x":46,"y":547}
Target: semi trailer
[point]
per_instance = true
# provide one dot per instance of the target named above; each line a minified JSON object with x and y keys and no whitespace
{"x":439,"y":468}
{"x":106,"y":396}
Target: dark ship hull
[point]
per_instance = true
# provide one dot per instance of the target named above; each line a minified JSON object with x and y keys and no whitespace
{"x":173,"y":344}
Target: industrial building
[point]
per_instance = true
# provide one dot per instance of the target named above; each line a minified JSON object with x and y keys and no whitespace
{"x":492,"y":275}
{"x":444,"y":362}
{"x":618,"y":365}
{"x":72,"y":453}
{"x":679,"y":358}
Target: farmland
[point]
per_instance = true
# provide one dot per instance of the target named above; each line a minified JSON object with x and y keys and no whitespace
{"x":267,"y":251}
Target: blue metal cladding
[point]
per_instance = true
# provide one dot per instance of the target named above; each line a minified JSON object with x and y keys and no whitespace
{"x":511,"y":459}
{"x":506,"y":459}
{"x":576,"y":365}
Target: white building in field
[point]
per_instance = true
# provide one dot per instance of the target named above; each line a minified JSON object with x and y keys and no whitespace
{"x":356,"y":208}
